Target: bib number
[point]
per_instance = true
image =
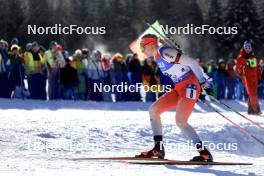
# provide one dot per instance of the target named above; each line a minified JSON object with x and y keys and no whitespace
{"x":191,"y":91}
{"x":252,"y":62}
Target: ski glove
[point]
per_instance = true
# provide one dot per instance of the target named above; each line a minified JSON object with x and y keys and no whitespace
{"x":207,"y":84}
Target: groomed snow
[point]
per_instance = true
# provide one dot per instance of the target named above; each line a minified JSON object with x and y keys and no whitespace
{"x":37,"y":137}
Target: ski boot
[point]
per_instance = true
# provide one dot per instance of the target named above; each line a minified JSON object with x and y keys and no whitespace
{"x":259,"y":113}
{"x":204,"y":156}
{"x":157,"y":152}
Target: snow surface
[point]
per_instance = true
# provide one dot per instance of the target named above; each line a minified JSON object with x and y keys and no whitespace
{"x":38,"y":137}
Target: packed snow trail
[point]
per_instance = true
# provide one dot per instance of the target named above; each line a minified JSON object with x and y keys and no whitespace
{"x":36,"y":137}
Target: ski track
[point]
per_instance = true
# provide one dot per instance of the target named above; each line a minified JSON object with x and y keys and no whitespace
{"x":37,"y":137}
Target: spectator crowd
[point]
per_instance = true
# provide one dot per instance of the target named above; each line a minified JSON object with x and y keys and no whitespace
{"x":34,"y":72}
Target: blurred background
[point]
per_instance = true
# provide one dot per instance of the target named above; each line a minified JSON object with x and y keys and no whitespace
{"x":124,"y":21}
{"x":62,"y":66}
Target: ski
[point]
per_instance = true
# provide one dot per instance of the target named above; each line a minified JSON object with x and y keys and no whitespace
{"x":156,"y":161}
{"x":175,"y":162}
{"x":119,"y":159}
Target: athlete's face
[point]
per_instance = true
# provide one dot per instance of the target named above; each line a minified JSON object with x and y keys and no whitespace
{"x":150,"y":50}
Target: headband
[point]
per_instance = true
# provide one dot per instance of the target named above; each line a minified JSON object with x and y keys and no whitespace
{"x":148,"y":41}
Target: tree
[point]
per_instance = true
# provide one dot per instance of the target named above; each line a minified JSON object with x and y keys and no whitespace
{"x":243,"y":15}
{"x":215,"y":19}
{"x":14,"y":18}
{"x":4,"y":18}
{"x":39,"y":13}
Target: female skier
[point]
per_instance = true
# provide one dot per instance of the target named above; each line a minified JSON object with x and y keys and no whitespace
{"x":189,"y":79}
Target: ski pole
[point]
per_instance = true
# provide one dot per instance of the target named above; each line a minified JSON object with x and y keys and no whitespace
{"x":235,"y":124}
{"x":232,"y":109}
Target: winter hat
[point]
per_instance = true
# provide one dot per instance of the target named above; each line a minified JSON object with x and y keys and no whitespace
{"x":211,"y":62}
{"x":2,"y":41}
{"x":53,"y":43}
{"x":221,"y":61}
{"x":14,"y":41}
{"x":85,"y":51}
{"x":65,"y":54}
{"x":77,"y":52}
{"x":96,"y":54}
{"x":13,"y":47}
{"x":247,"y":46}
{"x":28,"y":46}
{"x":106,"y":56}
{"x":35,"y":45}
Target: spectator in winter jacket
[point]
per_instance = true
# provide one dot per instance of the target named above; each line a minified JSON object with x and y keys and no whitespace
{"x":86,"y":59}
{"x":86,"y":55}
{"x":66,"y":56}
{"x":79,"y":63}
{"x":201,"y":63}
{"x":54,"y":61}
{"x":230,"y":83}
{"x":221,"y":80}
{"x":42,"y":51}
{"x":16,"y":74}
{"x":34,"y":66}
{"x":119,"y":74}
{"x":248,"y":70}
{"x":240,"y":91}
{"x":212,"y":73}
{"x":39,"y":76}
{"x":94,"y":76}
{"x":68,"y":80}
{"x":4,"y":69}
{"x":261,"y":85}
{"x":107,"y":76}
{"x":150,"y":79}
{"x":134,"y":75}
{"x":28,"y":59}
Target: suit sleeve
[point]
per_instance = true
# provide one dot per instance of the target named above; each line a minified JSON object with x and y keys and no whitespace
{"x":197,"y":70}
{"x":240,"y":66}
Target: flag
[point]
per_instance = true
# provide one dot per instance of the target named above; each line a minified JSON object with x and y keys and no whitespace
{"x":135,"y":45}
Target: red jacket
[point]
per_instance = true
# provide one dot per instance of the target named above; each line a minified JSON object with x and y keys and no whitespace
{"x":244,"y":70}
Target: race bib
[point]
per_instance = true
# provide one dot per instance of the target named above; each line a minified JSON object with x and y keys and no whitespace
{"x":252,"y":62}
{"x":191,"y":91}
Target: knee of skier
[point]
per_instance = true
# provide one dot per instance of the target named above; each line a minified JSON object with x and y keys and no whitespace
{"x":153,"y":111}
{"x":181,"y":124}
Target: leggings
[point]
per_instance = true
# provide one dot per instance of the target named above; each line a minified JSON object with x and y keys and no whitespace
{"x":181,"y":98}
